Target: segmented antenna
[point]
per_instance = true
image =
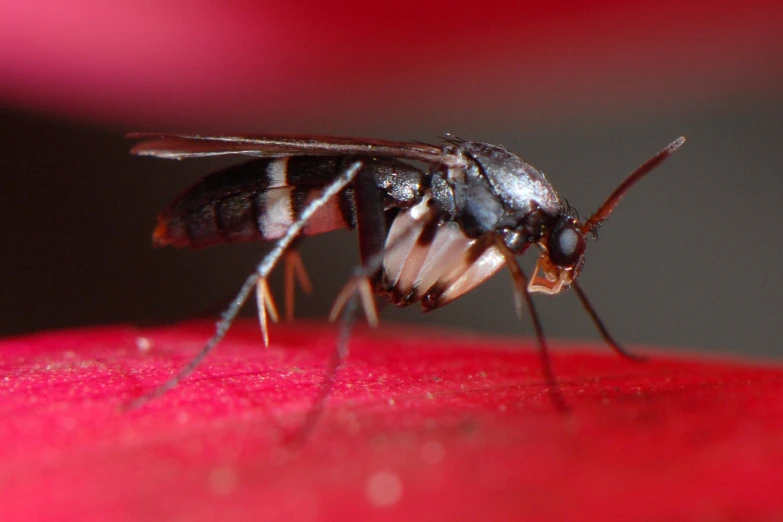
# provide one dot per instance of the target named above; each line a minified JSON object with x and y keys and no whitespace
{"x":603,"y":212}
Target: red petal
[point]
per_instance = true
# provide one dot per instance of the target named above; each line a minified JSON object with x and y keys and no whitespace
{"x":422,"y":425}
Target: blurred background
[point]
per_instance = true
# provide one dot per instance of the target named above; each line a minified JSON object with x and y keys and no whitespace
{"x":585,"y":91}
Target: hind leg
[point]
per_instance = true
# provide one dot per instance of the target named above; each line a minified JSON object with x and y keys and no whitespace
{"x":294,"y":271}
{"x":261,"y":273}
{"x":371,"y":227}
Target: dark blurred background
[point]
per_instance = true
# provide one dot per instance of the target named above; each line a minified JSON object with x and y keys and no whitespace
{"x":689,"y":259}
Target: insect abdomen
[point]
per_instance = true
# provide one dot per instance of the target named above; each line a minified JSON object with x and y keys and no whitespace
{"x":254,"y":201}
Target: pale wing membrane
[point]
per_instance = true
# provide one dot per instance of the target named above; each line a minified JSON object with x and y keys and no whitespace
{"x":170,"y":146}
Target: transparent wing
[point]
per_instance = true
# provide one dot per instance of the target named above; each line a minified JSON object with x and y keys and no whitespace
{"x":175,"y":146}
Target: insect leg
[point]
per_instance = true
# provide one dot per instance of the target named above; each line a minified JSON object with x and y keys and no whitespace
{"x":346,"y":313}
{"x":356,"y":285}
{"x":371,"y":226}
{"x":479,"y":261}
{"x":265,"y":305}
{"x":347,"y":316}
{"x":521,"y":292}
{"x":601,"y":328}
{"x":262,"y":271}
{"x":294,"y":271}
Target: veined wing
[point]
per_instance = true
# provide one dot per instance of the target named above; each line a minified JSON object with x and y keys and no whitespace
{"x":176,"y":146}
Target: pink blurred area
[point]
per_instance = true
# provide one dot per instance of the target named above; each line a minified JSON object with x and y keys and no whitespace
{"x":234,"y":64}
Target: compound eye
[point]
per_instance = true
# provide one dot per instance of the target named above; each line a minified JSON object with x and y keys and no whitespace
{"x":566,"y":245}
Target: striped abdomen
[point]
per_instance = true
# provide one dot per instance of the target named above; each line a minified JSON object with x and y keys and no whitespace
{"x":259,"y":200}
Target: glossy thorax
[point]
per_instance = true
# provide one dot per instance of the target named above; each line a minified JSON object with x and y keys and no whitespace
{"x":445,"y":245}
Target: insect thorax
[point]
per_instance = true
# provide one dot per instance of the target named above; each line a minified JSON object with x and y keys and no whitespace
{"x":494,"y":190}
{"x":438,"y":255}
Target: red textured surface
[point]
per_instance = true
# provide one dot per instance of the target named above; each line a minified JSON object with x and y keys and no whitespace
{"x":421,"y":426}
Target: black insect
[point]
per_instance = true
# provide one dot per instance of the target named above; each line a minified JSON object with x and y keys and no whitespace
{"x":425,"y":236}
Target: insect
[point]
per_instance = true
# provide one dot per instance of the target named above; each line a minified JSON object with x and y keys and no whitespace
{"x":426,"y":235}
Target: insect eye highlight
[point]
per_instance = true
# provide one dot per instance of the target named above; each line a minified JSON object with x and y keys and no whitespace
{"x":566,"y":245}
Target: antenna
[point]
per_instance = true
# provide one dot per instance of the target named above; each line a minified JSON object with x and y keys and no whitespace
{"x":603,"y":212}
